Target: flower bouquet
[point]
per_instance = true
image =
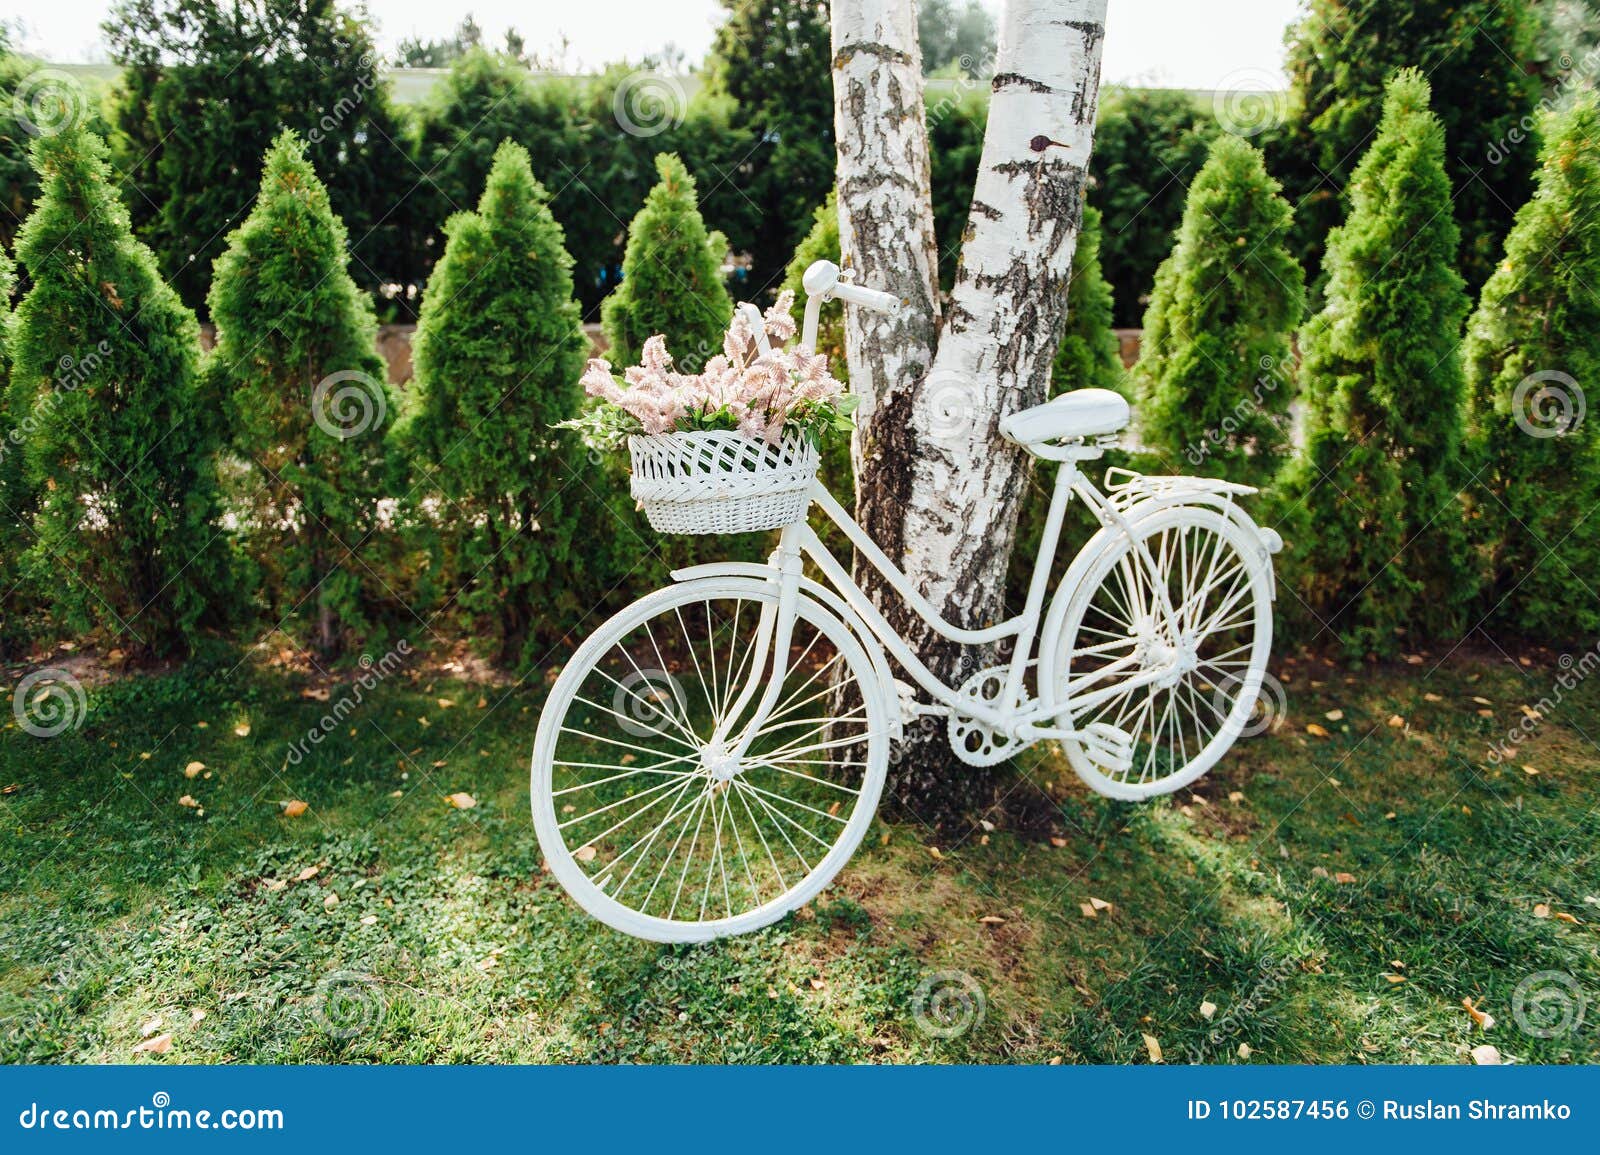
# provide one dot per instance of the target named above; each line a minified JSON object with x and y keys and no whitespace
{"x":731,"y":449}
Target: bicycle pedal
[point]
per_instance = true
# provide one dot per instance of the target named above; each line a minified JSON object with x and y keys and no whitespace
{"x":1107,"y":746}
{"x":910,"y":708}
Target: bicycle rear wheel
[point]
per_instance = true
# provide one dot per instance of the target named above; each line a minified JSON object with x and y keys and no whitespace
{"x":1144,"y":737}
{"x":654,"y":828}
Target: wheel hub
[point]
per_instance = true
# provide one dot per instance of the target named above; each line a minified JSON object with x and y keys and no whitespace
{"x":719,"y":765}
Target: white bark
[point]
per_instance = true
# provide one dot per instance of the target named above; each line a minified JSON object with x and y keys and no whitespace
{"x":1008,"y":303}
{"x":938,"y":488}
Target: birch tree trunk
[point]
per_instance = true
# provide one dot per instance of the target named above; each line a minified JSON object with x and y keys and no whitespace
{"x":937,"y":487}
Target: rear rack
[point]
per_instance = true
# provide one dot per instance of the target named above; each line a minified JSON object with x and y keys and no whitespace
{"x":1126,"y":488}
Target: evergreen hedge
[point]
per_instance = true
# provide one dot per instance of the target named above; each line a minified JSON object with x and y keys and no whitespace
{"x":306,"y":402}
{"x":1533,"y":348}
{"x":115,"y":441}
{"x":531,"y":539}
{"x":1376,"y":537}
{"x":1214,"y":361}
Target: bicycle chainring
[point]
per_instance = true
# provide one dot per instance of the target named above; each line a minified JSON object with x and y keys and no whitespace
{"x":973,"y":742}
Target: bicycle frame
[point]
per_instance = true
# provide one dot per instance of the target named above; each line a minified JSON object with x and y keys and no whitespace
{"x":1013,"y":714}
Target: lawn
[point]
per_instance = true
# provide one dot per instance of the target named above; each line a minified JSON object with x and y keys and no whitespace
{"x":1325,"y":895}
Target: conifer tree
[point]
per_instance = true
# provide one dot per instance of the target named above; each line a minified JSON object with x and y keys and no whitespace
{"x":498,"y":352}
{"x":1533,"y":347}
{"x":306,"y":400}
{"x":1089,"y":356}
{"x":1370,"y":509}
{"x":16,"y":500}
{"x":671,"y":278}
{"x":104,"y":395}
{"x":1215,"y":350}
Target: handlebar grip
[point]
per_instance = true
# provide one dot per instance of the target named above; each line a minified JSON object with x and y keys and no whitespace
{"x":866,"y":298}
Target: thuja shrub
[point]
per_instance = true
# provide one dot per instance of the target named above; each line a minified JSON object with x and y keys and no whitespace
{"x":103,"y":402}
{"x":1533,"y":347}
{"x":532,"y":540}
{"x":671,"y":278}
{"x":1370,"y":509}
{"x":16,"y":498}
{"x":1216,"y":335}
{"x":306,"y":405}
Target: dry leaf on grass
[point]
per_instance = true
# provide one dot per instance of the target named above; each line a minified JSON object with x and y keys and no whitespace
{"x":1316,"y":731}
{"x":193,"y":769}
{"x":331,"y":901}
{"x":1088,"y":911}
{"x":1334,"y":715}
{"x":1207,"y":1009}
{"x":159,"y":1045}
{"x":1344,"y":876}
{"x":1482,"y":1018}
{"x":1396,"y":721}
{"x":584,"y":853}
{"x":315,"y":695}
{"x":1486,"y":1055}
{"x":1541,"y":910}
{"x":1432,"y":698}
{"x":461,"y":800}
{"x":189,"y":801}
{"x":1152,"y":1048}
{"x":1244,"y":1050}
{"x":242,"y":730}
{"x":293,"y":808}
{"x":150,"y":1028}
{"x":991,"y":920}
{"x":307,"y":874}
{"x":1099,"y":903}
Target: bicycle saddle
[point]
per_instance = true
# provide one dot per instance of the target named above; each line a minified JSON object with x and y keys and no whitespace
{"x":1078,"y":414}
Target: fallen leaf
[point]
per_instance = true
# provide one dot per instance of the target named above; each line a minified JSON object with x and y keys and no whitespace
{"x":818,"y":984}
{"x":446,"y":703}
{"x":1088,"y":911}
{"x":1541,"y":910}
{"x":1397,"y":964}
{"x":1316,"y":731}
{"x":1394,"y":978}
{"x":315,"y":695}
{"x":1563,"y":916}
{"x":1486,"y":713}
{"x":423,"y":721}
{"x":150,"y":1027}
{"x":242,"y":730}
{"x":1486,"y":1055}
{"x":307,"y":874}
{"x":1482,"y":701}
{"x":1413,"y":659}
{"x":1099,"y":903}
{"x":933,"y":853}
{"x":1432,"y":698}
{"x":1530,"y":770}
{"x":196,"y":1015}
{"x":1236,"y":796}
{"x":585,"y":853}
{"x":1344,"y":876}
{"x":1334,"y":715}
{"x":461,"y":800}
{"x":1207,"y":1009}
{"x":1482,"y":1018}
{"x":397,"y":794}
{"x":159,"y":1045}
{"x":189,"y":801}
{"x":369,"y":919}
{"x":1244,"y":1050}
{"x":1396,"y":721}
{"x":293,"y":808}
{"x":193,"y":769}
{"x":1058,"y":843}
{"x":273,"y":884}
{"x":992,"y":920}
{"x":331,"y":901}
{"x":1152,"y":1048}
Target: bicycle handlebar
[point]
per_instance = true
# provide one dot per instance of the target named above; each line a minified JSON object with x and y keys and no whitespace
{"x":866,"y":298}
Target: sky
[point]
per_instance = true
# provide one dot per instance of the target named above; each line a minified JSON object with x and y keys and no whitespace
{"x":1171,"y":43}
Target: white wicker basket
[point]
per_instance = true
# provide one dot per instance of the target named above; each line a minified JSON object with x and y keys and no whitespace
{"x":722,"y":482}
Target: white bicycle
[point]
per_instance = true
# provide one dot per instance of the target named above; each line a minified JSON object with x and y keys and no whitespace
{"x":714,"y":753}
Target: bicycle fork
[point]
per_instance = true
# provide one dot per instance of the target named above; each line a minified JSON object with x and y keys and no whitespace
{"x":774,"y":633}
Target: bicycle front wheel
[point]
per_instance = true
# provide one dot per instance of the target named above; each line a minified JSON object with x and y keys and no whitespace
{"x":653,"y":826}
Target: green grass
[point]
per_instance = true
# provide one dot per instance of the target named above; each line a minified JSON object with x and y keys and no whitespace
{"x":447,"y":943}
